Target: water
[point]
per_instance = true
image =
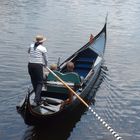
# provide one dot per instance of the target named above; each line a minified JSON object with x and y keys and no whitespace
{"x":67,"y":24}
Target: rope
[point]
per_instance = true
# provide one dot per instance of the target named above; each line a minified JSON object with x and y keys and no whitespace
{"x":115,"y":134}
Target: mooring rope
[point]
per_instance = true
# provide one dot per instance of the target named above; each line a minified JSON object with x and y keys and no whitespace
{"x":115,"y":134}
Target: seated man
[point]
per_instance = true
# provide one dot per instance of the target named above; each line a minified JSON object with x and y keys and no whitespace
{"x":46,"y":72}
{"x":53,"y":67}
{"x":70,"y":68}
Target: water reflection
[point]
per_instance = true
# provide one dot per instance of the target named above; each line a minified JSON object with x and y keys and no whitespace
{"x":54,"y":131}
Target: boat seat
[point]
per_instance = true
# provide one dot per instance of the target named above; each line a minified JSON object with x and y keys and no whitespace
{"x":86,"y":59}
{"x":72,"y":79}
{"x":84,"y":66}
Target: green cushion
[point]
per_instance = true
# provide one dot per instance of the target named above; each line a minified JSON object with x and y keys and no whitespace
{"x":67,"y":77}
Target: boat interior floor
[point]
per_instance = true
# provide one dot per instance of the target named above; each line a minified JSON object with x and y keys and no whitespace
{"x":49,"y":105}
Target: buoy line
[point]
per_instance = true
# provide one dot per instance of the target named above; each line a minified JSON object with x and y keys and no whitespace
{"x":115,"y":134}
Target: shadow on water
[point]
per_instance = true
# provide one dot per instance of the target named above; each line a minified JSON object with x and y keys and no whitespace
{"x":62,"y":129}
{"x":54,"y":131}
{"x":57,"y":131}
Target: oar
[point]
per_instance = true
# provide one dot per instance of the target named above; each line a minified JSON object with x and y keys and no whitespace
{"x":68,"y":87}
{"x":115,"y":134}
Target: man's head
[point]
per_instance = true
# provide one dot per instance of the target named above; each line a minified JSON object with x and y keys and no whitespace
{"x":53,"y":67}
{"x":70,"y":66}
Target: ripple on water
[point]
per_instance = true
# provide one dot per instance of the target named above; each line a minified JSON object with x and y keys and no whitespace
{"x":67,"y":25}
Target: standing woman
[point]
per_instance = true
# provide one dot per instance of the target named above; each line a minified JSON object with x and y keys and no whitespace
{"x":37,"y":59}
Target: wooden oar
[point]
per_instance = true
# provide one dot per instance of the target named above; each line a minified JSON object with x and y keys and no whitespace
{"x":115,"y":134}
{"x":68,"y":87}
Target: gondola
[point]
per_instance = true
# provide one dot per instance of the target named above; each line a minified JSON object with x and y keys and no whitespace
{"x":88,"y":61}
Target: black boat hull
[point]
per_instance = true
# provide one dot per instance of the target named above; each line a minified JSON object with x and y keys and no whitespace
{"x":32,"y":118}
{"x":70,"y":111}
